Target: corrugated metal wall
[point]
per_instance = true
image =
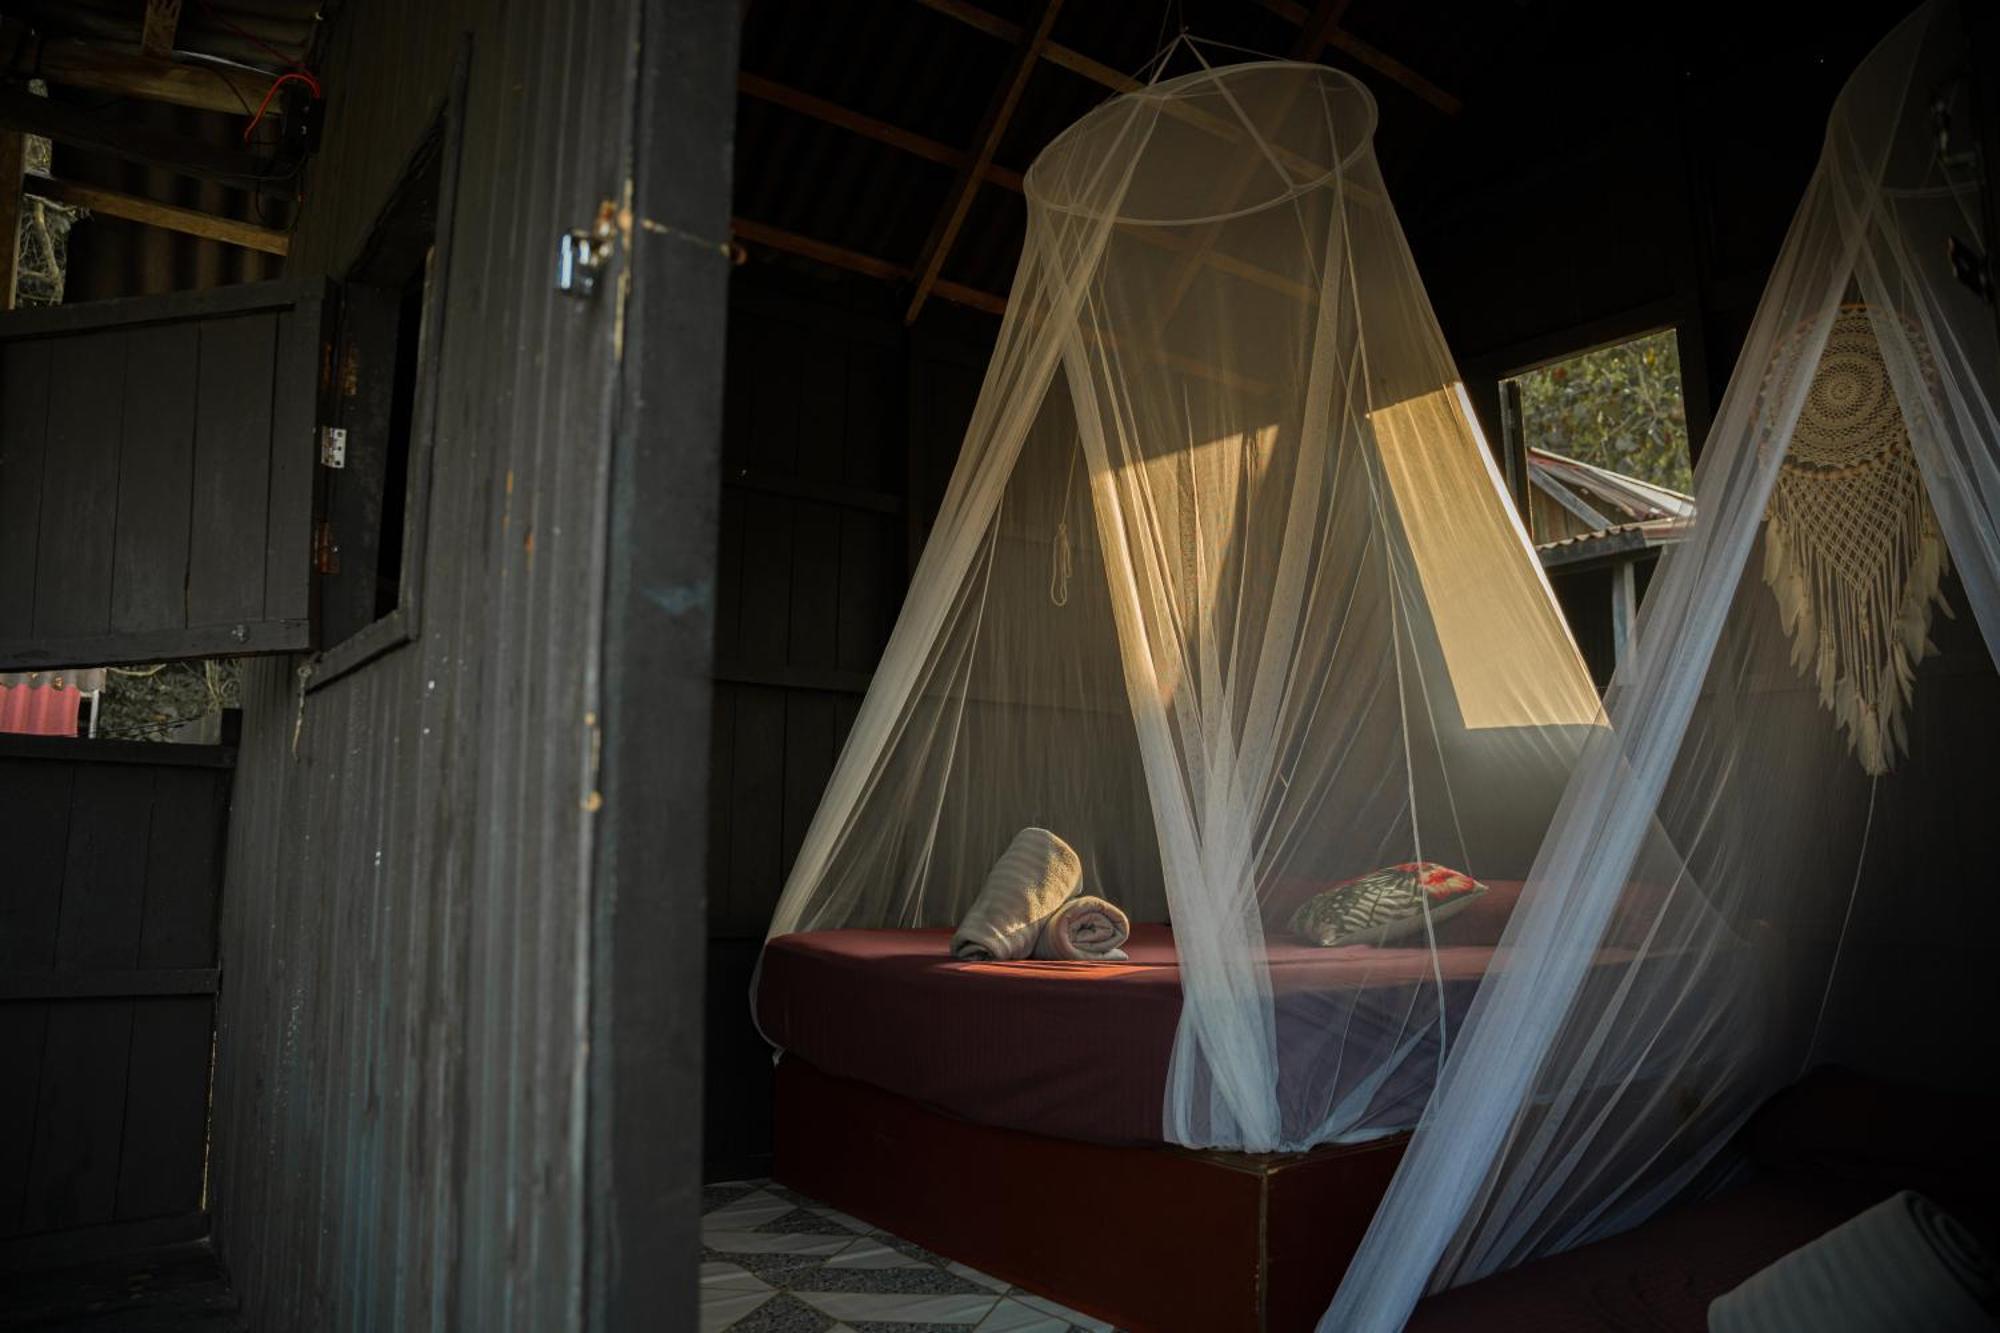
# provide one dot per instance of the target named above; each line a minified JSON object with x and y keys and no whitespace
{"x":400,"y":1087}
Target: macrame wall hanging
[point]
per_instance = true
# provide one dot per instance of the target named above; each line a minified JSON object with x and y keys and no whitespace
{"x":1851,"y":547}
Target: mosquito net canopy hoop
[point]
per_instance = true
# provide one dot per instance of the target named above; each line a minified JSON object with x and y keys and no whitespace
{"x":1791,"y":808}
{"x":1224,"y":591}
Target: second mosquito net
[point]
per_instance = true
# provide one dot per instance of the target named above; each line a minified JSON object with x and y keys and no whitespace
{"x":1226,"y":592}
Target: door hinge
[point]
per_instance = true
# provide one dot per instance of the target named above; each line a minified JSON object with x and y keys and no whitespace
{"x":333,"y":446}
{"x":326,"y":551}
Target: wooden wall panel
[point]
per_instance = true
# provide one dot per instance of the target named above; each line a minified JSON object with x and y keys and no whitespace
{"x":401,"y":1088}
{"x":155,"y":480}
{"x":835,"y":417}
{"x":24,"y":408}
{"x":79,"y":486}
{"x":79,"y":1112}
{"x":156,"y":460}
{"x":107,"y":1011}
{"x":232,"y":456}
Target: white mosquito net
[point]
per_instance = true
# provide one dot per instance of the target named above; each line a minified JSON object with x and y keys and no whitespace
{"x":1225,"y":591}
{"x":1790,"y":812}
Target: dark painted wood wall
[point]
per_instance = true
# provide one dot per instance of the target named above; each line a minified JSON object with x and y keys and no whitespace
{"x":840,"y":429}
{"x":156,"y":476}
{"x":113,"y":865}
{"x":1540,"y":238}
{"x":405,"y":1079}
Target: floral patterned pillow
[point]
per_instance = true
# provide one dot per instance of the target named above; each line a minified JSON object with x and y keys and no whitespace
{"x":1384,"y":905}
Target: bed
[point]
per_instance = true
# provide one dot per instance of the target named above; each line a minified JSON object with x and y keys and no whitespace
{"x":903,"y":1070}
{"x":1814,"y":1156}
{"x":1081,"y":1050}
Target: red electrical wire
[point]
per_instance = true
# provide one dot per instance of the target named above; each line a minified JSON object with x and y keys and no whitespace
{"x":289,"y":76}
{"x":295,"y":71}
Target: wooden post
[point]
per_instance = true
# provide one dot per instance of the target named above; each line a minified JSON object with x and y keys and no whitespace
{"x":163,"y":17}
{"x":13,"y":157}
{"x":1514,"y":451}
{"x":1624,"y":605}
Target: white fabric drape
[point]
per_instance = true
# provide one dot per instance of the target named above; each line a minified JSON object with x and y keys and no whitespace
{"x":1225,"y":592}
{"x":1721,"y":818}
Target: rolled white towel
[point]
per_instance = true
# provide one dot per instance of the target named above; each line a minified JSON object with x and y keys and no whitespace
{"x":1035,"y":875}
{"x":1085,"y":930}
{"x":1903,"y":1264}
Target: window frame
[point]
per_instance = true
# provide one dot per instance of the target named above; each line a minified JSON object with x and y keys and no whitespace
{"x":443,"y":136}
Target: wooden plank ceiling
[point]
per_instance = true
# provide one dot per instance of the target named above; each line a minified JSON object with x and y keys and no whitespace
{"x":247,"y":60}
{"x":1316,"y":30}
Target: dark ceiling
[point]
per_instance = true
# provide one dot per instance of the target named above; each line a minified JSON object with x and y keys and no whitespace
{"x":1469,"y":93}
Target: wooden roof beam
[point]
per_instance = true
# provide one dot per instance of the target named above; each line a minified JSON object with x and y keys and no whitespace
{"x":13,"y":158}
{"x":1291,"y":10}
{"x":818,"y":108}
{"x":168,"y":217}
{"x":823,"y":252}
{"x":993,"y":125}
{"x":1311,"y":40}
{"x":73,"y":63}
{"x":78,"y":128}
{"x":972,"y":16}
{"x":1381,"y":62}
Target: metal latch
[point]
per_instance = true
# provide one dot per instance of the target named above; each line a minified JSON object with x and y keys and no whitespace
{"x":582,"y":253}
{"x":326,"y":551}
{"x":333,"y":446}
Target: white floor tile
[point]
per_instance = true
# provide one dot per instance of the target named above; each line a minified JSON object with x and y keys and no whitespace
{"x":869,"y":1307}
{"x":1047,"y":1306}
{"x":730,"y":1277}
{"x":971,"y":1274}
{"x":871,"y":1253}
{"x":750,"y":1211}
{"x":775,"y":1242}
{"x":721,"y":1309}
{"x":854,"y":1224}
{"x":1013,"y":1317}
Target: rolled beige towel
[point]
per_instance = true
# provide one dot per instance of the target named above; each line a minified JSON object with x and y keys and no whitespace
{"x":1035,"y":875}
{"x":1085,"y":930}
{"x":1903,"y":1264}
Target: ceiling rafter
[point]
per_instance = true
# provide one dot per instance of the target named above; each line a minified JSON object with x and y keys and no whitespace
{"x":993,"y":125}
{"x":78,"y":128}
{"x":1367,"y":54}
{"x":818,"y":108}
{"x":881,"y":131}
{"x":1290,"y":10}
{"x":13,"y":159}
{"x":153,"y":213}
{"x":92,"y":67}
{"x":823,"y":252}
{"x":1307,"y":46}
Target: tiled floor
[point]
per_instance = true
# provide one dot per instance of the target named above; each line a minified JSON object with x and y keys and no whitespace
{"x":167,"y":1289}
{"x":777,"y":1262}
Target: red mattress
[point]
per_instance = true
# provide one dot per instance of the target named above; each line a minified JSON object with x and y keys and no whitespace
{"x":1080,"y":1050}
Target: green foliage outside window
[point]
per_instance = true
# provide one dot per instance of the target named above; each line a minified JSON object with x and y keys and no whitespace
{"x":1617,"y":407}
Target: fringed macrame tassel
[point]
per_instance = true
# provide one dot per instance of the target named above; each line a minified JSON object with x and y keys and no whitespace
{"x":1852,"y":551}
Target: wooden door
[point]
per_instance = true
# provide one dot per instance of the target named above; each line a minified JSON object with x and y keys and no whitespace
{"x":156,"y":477}
{"x":114,"y":856}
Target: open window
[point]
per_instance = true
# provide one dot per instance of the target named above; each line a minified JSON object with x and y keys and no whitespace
{"x":1598,"y":444}
{"x":232,"y":472}
{"x":380,"y":413}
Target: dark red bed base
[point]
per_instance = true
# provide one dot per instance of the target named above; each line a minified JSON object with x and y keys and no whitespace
{"x":1152,"y":1239}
